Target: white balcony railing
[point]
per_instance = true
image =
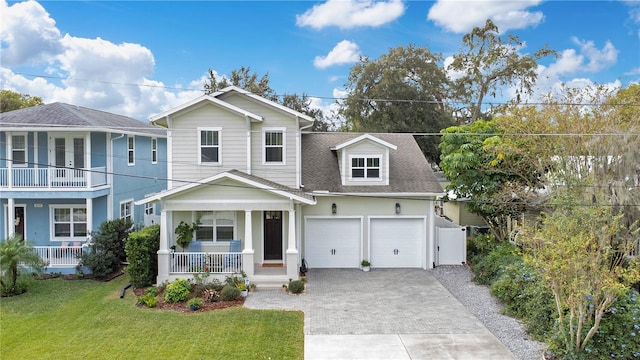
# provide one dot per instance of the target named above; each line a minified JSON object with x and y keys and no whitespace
{"x":59,"y":256}
{"x":52,"y":177}
{"x":215,"y":263}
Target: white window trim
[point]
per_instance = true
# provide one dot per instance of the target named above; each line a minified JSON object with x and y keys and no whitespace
{"x":26,"y":149}
{"x":215,"y":240}
{"x":154,"y":150}
{"x":283,"y":130}
{"x":199,"y":134}
{"x":52,"y":222}
{"x":130,"y":209}
{"x":131,"y":150}
{"x":366,"y":179}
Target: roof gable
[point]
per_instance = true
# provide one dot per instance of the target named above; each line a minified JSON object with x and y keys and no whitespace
{"x":161,"y":118}
{"x":240,"y":177}
{"x":364,"y":138}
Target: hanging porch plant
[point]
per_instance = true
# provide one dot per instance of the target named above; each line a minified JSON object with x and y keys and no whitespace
{"x":185,"y":234}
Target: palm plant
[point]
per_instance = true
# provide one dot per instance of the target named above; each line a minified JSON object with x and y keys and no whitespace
{"x":14,"y":252}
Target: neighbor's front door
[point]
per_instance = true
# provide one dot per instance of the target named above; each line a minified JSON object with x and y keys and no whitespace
{"x":18,"y":222}
{"x":272,"y":235}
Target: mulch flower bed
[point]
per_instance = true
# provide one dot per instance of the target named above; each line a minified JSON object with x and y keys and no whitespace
{"x":184,"y":307}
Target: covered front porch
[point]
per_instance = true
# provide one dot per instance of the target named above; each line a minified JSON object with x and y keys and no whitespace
{"x":244,"y":224}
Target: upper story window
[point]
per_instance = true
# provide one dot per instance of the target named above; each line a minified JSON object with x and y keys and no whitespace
{"x":209,"y":146}
{"x":365,"y":168}
{"x":131,"y":149}
{"x":215,"y":225}
{"x":126,"y":210}
{"x":19,"y":150}
{"x":274,"y":146}
{"x":154,"y":150}
{"x":69,"y":222}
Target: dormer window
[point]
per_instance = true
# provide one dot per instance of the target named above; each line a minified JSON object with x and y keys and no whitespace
{"x":365,"y":168}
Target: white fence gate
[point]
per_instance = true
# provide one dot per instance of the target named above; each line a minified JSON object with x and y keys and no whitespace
{"x":451,"y":246}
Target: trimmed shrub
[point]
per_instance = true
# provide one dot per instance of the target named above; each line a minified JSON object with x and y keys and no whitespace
{"x":107,"y":248}
{"x":141,"y":248}
{"x":296,"y":286}
{"x":525,"y":297}
{"x":490,"y":267}
{"x":230,"y":293}
{"x":178,"y":290}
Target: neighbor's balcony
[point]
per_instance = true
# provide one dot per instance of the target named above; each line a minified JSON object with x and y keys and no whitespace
{"x":196,"y":262}
{"x":33,"y":178}
{"x":59,"y":256}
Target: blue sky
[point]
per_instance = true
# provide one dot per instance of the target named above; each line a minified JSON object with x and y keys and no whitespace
{"x":139,"y":58}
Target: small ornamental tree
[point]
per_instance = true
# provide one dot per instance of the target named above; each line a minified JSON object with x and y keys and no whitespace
{"x":14,"y":252}
{"x":142,"y":248}
{"x":579,"y":249}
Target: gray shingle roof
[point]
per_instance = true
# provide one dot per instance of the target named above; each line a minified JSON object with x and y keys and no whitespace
{"x":272,"y":184}
{"x":66,"y":116}
{"x":409,"y":170}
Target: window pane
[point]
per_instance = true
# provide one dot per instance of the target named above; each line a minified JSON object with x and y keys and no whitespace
{"x":19,"y":149}
{"x":273,"y":138}
{"x":373,"y":162}
{"x":78,"y":153}
{"x":357,"y":173}
{"x":274,"y":154}
{"x":131,"y":142}
{"x":80,"y":215}
{"x":357,"y":162}
{"x":61,"y":215}
{"x":62,"y":230}
{"x":204,"y":218}
{"x":209,"y":154}
{"x":208,"y":138}
{"x":60,"y":152}
{"x":204,"y":233}
{"x":79,"y":229}
{"x":373,"y":173}
{"x":19,"y":142}
{"x":224,"y":233}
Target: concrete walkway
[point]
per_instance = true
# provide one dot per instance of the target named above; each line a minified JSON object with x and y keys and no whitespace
{"x":383,"y":314}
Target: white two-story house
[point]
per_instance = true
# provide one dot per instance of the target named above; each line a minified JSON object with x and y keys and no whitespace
{"x":265,"y":194}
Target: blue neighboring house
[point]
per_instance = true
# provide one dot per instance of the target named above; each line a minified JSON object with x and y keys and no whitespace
{"x":64,"y":169}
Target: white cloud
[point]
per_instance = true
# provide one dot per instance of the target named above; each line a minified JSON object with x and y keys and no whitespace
{"x":345,"y":52}
{"x":598,"y":59}
{"x":462,"y":16}
{"x":347,"y":14}
{"x":95,"y":73}
{"x":27,"y":34}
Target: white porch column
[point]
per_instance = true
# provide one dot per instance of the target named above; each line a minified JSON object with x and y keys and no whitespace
{"x":292,"y":252}
{"x":89,"y":203}
{"x":11,"y":217}
{"x":164,"y":255}
{"x":248,"y":254}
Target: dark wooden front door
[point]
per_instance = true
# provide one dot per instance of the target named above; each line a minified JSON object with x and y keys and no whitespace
{"x":19,"y":221}
{"x":273,"y":235}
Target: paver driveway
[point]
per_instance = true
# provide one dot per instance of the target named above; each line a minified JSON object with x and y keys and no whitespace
{"x":348,"y":312}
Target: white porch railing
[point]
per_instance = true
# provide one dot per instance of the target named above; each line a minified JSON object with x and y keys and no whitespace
{"x":215,"y":263}
{"x":59,"y":256}
{"x":52,"y":177}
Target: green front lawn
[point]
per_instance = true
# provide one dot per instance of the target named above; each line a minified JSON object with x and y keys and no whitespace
{"x":63,"y":319}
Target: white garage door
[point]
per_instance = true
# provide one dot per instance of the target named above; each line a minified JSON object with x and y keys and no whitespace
{"x":397,"y":242}
{"x":332,"y":243}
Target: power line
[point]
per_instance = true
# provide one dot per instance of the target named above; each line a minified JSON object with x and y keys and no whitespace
{"x":408,"y":101}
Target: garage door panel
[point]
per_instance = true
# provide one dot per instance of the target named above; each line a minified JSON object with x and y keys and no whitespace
{"x":397,"y":242}
{"x":332,"y":243}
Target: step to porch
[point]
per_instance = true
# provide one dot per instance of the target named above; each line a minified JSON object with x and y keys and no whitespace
{"x":269,"y":281}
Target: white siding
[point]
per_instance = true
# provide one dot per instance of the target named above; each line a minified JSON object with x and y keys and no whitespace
{"x":185,"y":143}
